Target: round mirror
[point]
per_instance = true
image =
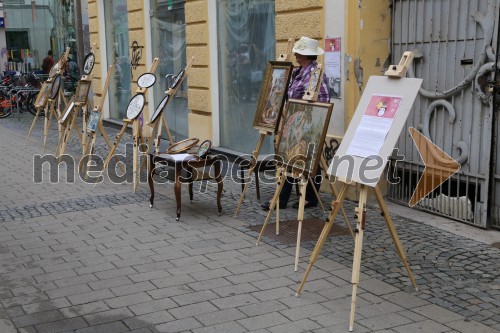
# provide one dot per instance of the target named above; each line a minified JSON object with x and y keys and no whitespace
{"x":204,"y":148}
{"x":182,"y":145}
{"x":135,"y":106}
{"x":146,"y":80}
{"x":88,"y":63}
{"x":56,"y":84}
{"x":159,"y":108}
{"x":177,"y":78}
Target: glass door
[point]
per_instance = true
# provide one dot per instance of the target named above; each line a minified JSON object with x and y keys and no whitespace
{"x":118,"y":53}
{"x":168,"y":38}
{"x":246,"y":42}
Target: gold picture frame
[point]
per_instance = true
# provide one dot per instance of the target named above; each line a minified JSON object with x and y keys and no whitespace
{"x":43,"y":96}
{"x":82,"y":92}
{"x":272,"y":96}
{"x":303,"y":134}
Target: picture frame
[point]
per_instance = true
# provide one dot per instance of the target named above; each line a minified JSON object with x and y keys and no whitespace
{"x":135,"y":106}
{"x":82,"y":91}
{"x":300,"y":144}
{"x":273,"y":93}
{"x":43,"y":95}
{"x":56,"y":85}
{"x":93,"y":121}
{"x":314,"y":80}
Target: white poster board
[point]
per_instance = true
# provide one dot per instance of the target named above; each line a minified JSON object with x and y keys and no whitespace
{"x":374,"y":129}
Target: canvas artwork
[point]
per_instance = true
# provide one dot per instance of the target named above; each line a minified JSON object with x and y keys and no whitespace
{"x":272,"y":95}
{"x":93,"y":121}
{"x":303,"y":133}
{"x":43,"y":95}
{"x":82,"y":91}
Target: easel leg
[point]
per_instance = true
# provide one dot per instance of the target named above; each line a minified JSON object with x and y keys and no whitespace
{"x":250,"y":171}
{"x":48,"y":119}
{"x":300,"y":218}
{"x":279,"y":187}
{"x":358,"y":247}
{"x":324,"y":235}
{"x":324,"y":166}
{"x":38,"y":110}
{"x":113,"y":149}
{"x":392,"y":230}
{"x":106,"y":138}
{"x":311,"y":180}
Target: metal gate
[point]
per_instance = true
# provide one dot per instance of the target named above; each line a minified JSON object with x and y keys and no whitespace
{"x":454,"y":42}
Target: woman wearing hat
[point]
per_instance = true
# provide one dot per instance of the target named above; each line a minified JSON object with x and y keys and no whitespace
{"x":306,"y":51}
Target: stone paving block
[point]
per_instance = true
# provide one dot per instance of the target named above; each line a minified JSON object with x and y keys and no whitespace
{"x":45,"y":305}
{"x":64,"y":325}
{"x":6,"y":326}
{"x":170,"y":291}
{"x":84,"y":309}
{"x":342,"y":328}
{"x":192,"y":310}
{"x":422,"y":326}
{"x":247,"y":277}
{"x":263,"y":321}
{"x":209,"y":284}
{"x":92,"y":296}
{"x":234,"y":301}
{"x":68,"y":291}
{"x":108,"y":316}
{"x":113,"y":273}
{"x":148,"y":319}
{"x":94,"y":268}
{"x":210,"y":274}
{"x":275,"y":293}
{"x":218,"y":317}
{"x":246,"y":268}
{"x":140,"y":277}
{"x":273,"y":283}
{"x":377,"y":287}
{"x":237,"y":289}
{"x":437,"y":313}
{"x":198,"y":296}
{"x":37,"y":318}
{"x":172,"y":281}
{"x":470,"y":326}
{"x":153,"y":306}
{"x":382,"y":322}
{"x":178,"y":325}
{"x":122,"y":301}
{"x":262,"y":308}
{"x":62,"y":267}
{"x":115,"y":327}
{"x":110,"y":283}
{"x":25,"y":299}
{"x":377,"y":309}
{"x":188,"y":269}
{"x":133,"y":288}
{"x":304,"y":325}
{"x":306,"y":311}
{"x":232,"y":327}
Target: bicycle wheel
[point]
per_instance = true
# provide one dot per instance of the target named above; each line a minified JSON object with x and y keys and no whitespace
{"x":30,"y":104}
{"x":4,"y":111}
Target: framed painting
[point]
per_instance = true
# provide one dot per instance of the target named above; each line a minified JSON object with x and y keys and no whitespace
{"x":43,"y":95}
{"x":302,"y":135}
{"x":56,"y":85}
{"x":82,"y":91}
{"x":93,"y":121}
{"x":272,"y":95}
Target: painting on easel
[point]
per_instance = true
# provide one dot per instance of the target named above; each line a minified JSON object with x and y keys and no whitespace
{"x":303,"y":133}
{"x":82,"y":91}
{"x":272,"y":95}
{"x":43,"y":95}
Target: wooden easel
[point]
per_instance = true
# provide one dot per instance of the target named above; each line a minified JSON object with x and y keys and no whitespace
{"x":50,"y":108}
{"x":395,"y":72}
{"x":157,"y":123}
{"x":310,"y":94}
{"x":70,"y":122}
{"x":136,"y":132}
{"x":263,"y":133}
{"x":89,"y":146}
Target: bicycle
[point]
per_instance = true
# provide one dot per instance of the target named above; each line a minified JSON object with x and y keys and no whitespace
{"x":14,"y":93}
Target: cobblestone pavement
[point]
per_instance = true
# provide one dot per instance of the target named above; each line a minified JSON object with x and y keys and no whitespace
{"x":79,"y":258}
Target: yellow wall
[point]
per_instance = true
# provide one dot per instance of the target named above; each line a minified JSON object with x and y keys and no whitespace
{"x":197,"y":45}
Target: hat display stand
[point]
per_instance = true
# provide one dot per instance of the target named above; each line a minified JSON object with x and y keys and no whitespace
{"x":393,"y":84}
{"x":50,"y":105}
{"x":136,"y":128}
{"x":285,"y":57}
{"x":67,"y":119}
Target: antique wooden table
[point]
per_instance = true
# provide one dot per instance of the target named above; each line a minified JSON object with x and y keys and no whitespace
{"x":187,"y":170}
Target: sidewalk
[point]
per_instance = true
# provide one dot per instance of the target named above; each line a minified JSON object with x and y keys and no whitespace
{"x":79,"y":258}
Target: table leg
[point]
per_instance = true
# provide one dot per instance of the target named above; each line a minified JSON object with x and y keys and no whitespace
{"x":177,"y":188}
{"x":190,"y":184}
{"x":151,"y":170}
{"x":220,"y":185}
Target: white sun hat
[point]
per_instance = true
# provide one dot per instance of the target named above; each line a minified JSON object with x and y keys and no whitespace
{"x":307,"y":46}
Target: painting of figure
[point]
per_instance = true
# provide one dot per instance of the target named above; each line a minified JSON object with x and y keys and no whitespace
{"x":272,"y":95}
{"x":303,"y":133}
